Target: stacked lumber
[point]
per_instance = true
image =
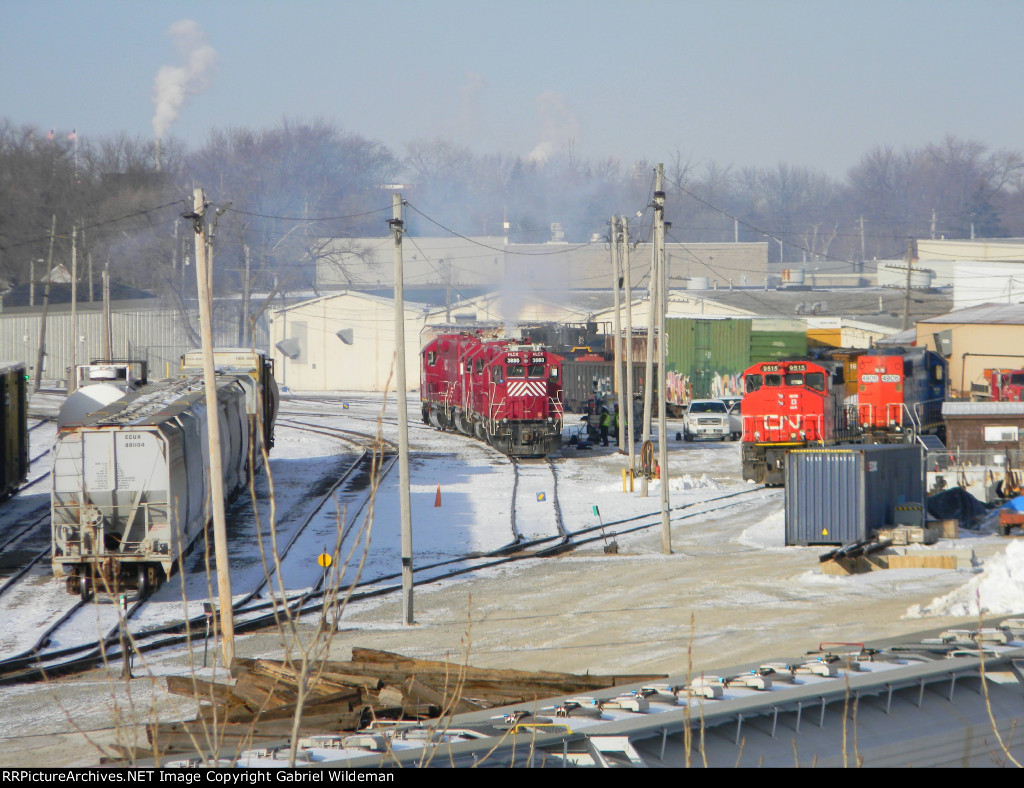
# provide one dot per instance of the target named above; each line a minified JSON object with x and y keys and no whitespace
{"x":343,"y":696}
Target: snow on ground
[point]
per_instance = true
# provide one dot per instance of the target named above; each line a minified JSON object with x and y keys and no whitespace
{"x":998,"y":590}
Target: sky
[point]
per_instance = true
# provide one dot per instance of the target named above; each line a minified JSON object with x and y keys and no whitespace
{"x":737,"y":82}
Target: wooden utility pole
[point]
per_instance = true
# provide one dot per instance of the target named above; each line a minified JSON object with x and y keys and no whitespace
{"x":630,"y":426}
{"x":659,"y":252}
{"x":617,"y":329}
{"x":911,"y":256}
{"x":652,"y":313}
{"x":220,"y":536}
{"x":397,"y":226}
{"x":46,"y":304}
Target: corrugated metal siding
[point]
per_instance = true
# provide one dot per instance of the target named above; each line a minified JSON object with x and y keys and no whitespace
{"x":838,"y":496}
{"x":154,"y":335}
{"x":703,"y":355}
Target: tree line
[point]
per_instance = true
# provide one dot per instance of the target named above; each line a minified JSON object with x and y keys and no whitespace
{"x":281,"y":194}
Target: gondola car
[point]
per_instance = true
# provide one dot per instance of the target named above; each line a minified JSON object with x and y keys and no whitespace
{"x":790,"y":405}
{"x":13,"y":427}
{"x":501,"y":391}
{"x":900,"y":395}
{"x":131,"y":479}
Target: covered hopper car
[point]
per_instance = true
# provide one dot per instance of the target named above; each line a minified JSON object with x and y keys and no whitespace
{"x":501,"y":391}
{"x":131,"y":480}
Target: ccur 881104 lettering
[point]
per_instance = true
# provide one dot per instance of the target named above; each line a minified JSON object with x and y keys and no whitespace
{"x":800,"y":403}
{"x":501,"y":391}
{"x":131,"y":478}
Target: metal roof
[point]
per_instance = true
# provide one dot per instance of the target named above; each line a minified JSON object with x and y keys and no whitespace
{"x":963,"y":408}
{"x":986,"y":314}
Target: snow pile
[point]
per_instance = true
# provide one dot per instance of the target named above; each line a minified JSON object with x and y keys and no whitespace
{"x":769,"y":532}
{"x":999,"y":590}
{"x":687,"y":482}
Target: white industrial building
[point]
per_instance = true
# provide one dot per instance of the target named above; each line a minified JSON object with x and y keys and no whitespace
{"x":344,"y":341}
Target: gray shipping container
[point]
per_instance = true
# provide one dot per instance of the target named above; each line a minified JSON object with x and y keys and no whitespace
{"x":843,"y":495}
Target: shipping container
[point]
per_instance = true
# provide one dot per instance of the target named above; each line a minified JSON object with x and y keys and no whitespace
{"x":839,"y":496}
{"x":705,"y":357}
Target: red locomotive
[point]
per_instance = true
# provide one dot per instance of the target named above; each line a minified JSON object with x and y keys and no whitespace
{"x":504,"y":392}
{"x":790,"y":405}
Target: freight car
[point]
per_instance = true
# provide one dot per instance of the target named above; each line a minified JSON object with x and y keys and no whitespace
{"x":131,"y":480}
{"x":501,"y":391}
{"x":791,"y":405}
{"x":13,"y":427}
{"x":900,"y":395}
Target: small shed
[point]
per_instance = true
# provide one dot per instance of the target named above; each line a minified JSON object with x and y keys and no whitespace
{"x":984,"y":426}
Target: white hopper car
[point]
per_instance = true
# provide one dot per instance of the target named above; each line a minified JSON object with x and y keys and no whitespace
{"x":130,"y":480}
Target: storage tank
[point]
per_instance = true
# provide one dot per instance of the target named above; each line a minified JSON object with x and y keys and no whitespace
{"x":843,"y":495}
{"x":793,"y":276}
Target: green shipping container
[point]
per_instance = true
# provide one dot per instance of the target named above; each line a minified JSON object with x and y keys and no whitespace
{"x":705,"y":357}
{"x":776,"y":345}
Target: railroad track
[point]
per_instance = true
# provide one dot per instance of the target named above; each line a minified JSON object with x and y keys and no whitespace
{"x":147,"y":621}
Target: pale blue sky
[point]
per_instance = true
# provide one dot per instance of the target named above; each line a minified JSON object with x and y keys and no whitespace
{"x":735,"y":81}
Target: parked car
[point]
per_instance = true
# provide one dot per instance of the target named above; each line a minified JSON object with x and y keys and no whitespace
{"x":706,"y":418}
{"x":732,"y":405}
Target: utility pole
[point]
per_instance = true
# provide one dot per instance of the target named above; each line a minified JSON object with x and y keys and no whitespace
{"x":73,"y":355}
{"x":933,"y":224}
{"x":911,"y":256}
{"x":617,"y":330}
{"x":862,"y":253}
{"x":220,"y":537}
{"x":397,"y":226}
{"x":46,"y":304}
{"x":659,"y":250}
{"x":107,"y":328}
{"x":652,"y":305}
{"x":630,"y":427}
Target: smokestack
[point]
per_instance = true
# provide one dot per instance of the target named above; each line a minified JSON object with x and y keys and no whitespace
{"x":157,"y":154}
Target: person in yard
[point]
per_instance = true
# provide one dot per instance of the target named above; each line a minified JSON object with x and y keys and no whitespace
{"x":605,"y":423}
{"x":615,"y":425}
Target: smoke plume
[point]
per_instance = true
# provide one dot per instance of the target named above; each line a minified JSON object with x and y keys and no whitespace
{"x":174,"y":84}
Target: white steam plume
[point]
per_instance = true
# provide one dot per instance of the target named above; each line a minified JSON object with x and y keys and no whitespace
{"x":173,"y":84}
{"x":559,"y":124}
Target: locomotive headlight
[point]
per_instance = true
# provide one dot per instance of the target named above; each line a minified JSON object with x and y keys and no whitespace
{"x":803,"y":434}
{"x":504,"y":421}
{"x":550,"y":420}
{"x":757,"y":435}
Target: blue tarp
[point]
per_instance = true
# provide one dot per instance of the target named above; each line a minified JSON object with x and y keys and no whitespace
{"x":1016,"y":505}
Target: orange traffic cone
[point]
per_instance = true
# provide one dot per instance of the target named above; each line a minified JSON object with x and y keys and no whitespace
{"x":437,"y":498}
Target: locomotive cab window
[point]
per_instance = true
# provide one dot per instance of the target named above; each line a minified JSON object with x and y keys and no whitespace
{"x":794,"y":378}
{"x":478,"y":366}
{"x":535,"y":371}
{"x":496,"y":374}
{"x":773,"y":380}
{"x":816,"y":381}
{"x":753,"y":383}
{"x":431,"y":357}
{"x":516,"y":371}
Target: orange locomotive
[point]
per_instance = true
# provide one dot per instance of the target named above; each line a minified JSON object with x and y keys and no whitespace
{"x":501,"y":391}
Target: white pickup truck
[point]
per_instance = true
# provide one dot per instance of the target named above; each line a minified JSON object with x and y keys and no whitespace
{"x":706,"y":418}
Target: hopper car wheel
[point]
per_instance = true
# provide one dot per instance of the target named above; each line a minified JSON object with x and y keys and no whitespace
{"x":85,"y":588}
{"x":143,"y":582}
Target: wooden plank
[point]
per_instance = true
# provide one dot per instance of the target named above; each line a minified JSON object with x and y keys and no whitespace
{"x":418,"y":692}
{"x":198,"y":689}
{"x":915,"y":561}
